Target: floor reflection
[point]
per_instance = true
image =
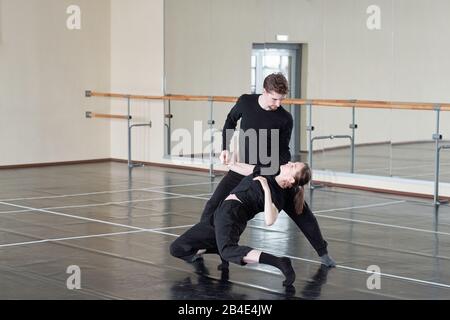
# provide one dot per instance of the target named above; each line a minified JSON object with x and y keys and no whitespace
{"x":201,"y":287}
{"x":314,"y":287}
{"x":204,"y":287}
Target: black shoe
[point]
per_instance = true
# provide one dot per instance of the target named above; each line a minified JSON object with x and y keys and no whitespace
{"x":195,"y":258}
{"x":199,"y":266}
{"x":314,"y":286}
{"x":225,"y":275}
{"x":290,"y":291}
{"x":288,"y":271}
{"x":224,"y":266}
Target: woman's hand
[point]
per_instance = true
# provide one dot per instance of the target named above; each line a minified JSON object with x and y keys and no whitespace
{"x":270,"y":210}
{"x":263,"y":182}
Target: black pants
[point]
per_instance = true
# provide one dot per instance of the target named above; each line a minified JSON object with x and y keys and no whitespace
{"x":306,"y":221}
{"x":308,"y":224}
{"x":230,"y":220}
{"x":226,"y":185}
{"x":201,"y":235}
{"x":221,"y":238}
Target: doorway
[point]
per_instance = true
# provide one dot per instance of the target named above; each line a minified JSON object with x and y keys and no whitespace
{"x":285,"y":58}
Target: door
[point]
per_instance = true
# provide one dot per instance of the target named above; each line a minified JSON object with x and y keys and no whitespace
{"x":284,"y":58}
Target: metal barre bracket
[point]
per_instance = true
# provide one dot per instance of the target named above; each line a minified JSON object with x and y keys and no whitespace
{"x":88,"y":114}
{"x":437,"y":201}
{"x":88,"y":93}
{"x":331,"y":137}
{"x":437,"y":137}
{"x":142,"y":125}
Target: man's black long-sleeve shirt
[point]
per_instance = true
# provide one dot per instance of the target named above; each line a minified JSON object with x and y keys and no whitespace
{"x":265,"y":125}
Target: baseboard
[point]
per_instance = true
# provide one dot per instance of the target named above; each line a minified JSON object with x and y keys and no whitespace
{"x":395,"y":144}
{"x":388,"y":185}
{"x":53,"y":164}
{"x":167,"y":165}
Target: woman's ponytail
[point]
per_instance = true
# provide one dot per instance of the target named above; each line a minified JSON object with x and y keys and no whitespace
{"x":299,"y":198}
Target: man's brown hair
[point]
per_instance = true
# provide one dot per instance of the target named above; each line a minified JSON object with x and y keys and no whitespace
{"x":276,"y":82}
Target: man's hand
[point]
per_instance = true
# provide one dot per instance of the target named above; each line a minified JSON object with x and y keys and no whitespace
{"x":225,"y":157}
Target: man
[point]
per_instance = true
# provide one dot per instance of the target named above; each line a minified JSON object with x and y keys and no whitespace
{"x":262,"y":118}
{"x":266,"y":129}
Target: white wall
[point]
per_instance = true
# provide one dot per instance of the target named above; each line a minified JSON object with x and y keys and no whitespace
{"x":44,"y":70}
{"x":137,"y":63}
{"x":404,"y":61}
{"x":208,"y":47}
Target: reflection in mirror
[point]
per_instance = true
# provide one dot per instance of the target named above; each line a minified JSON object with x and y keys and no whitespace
{"x":373,"y":142}
{"x":413,"y":147}
{"x":329,"y":51}
{"x":356,"y":64}
{"x":412,"y":144}
{"x":338,"y":147}
{"x":188,"y":71}
{"x":190,"y":135}
{"x":282,"y":58}
{"x":444,"y":175}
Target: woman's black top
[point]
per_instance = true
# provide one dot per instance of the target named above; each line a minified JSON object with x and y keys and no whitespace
{"x":251,"y":194}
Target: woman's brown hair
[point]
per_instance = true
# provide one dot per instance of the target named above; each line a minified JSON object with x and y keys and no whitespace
{"x":301,"y":180}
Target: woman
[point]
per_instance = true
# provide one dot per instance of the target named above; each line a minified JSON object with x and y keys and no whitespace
{"x":253,"y":195}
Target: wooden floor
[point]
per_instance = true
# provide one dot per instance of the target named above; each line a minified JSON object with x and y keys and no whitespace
{"x":117,"y":229}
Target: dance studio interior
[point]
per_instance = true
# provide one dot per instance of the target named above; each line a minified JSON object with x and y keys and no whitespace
{"x":123,"y":125}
